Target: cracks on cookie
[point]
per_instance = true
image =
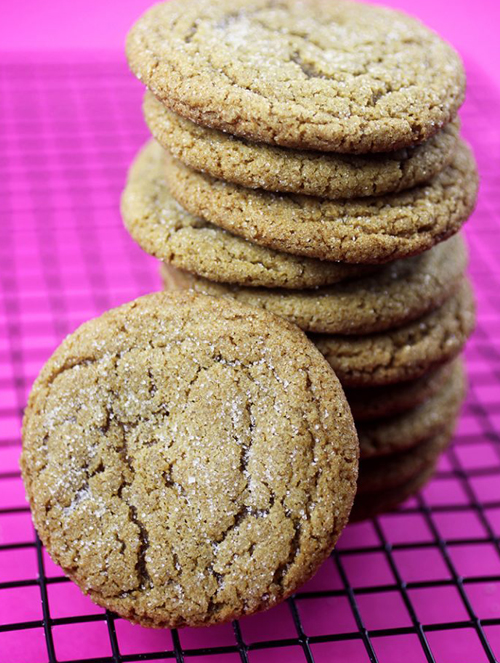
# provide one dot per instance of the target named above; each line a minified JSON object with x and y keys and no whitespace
{"x":307,"y":68}
{"x":170,"y":483}
{"x":152,"y":388}
{"x":282,"y":570}
{"x":190,"y":34}
{"x":111,"y":424}
{"x":141,"y":565}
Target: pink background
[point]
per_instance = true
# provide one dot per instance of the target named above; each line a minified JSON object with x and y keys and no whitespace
{"x":472,"y":26}
{"x":70,"y":123}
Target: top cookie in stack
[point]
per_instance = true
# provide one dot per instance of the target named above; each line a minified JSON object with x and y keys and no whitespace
{"x":337,"y":76}
{"x":317,"y":131}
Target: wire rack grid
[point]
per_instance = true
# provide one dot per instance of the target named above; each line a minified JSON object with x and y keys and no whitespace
{"x":420,"y":584}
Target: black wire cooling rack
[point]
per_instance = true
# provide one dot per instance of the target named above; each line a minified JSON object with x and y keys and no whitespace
{"x":420,"y":584}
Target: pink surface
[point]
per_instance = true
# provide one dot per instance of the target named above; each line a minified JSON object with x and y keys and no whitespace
{"x":103,"y":24}
{"x":419,"y":583}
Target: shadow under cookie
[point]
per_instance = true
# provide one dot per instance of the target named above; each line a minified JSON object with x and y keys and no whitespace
{"x":389,"y":435}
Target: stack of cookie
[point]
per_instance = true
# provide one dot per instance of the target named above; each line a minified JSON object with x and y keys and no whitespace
{"x":308,"y":161}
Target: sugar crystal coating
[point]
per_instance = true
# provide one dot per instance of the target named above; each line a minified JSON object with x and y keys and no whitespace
{"x":397,"y":293}
{"x":327,"y":175}
{"x":339,"y":75}
{"x":187,"y":459}
{"x":361,"y":230}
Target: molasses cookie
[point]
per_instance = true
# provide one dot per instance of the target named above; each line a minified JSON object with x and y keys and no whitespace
{"x":337,"y":76}
{"x":188,"y":460}
{"x":361,"y":230}
{"x":396,"y":294}
{"x":389,"y":435}
{"x":385,"y":400}
{"x":326,"y":175}
{"x":383,"y":472}
{"x":405,"y":353}
{"x":372,"y":503}
{"x":166,"y":230}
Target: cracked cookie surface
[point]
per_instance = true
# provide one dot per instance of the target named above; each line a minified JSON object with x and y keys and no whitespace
{"x":337,"y":76}
{"x":361,"y":230}
{"x":396,"y":294}
{"x":188,"y":460}
{"x":261,"y":166}
{"x":166,"y":230}
{"x":405,"y":353}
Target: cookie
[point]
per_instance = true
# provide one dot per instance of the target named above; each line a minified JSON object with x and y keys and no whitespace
{"x":327,"y":175}
{"x":370,"y":504}
{"x":188,"y":460}
{"x":336,"y":76}
{"x":405,"y":353}
{"x":399,"y":292}
{"x":386,"y":400}
{"x":362,"y":230}
{"x":385,"y":472}
{"x":164,"y":229}
{"x":390,"y":435}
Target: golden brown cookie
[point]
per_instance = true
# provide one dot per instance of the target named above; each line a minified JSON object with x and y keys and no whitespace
{"x":337,"y":76}
{"x":386,"y":400}
{"x":327,"y":175}
{"x":188,"y":460}
{"x":389,"y":435}
{"x":361,"y":230}
{"x":370,"y":504}
{"x":405,"y":353}
{"x":164,"y":229}
{"x":397,"y":293}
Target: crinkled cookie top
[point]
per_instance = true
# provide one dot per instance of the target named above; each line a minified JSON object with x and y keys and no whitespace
{"x":188,"y":459}
{"x":337,"y":76}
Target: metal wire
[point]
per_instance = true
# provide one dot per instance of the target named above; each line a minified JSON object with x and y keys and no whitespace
{"x":64,"y":257}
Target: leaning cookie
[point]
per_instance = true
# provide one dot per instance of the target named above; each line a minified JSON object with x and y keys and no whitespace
{"x":181,"y":467}
{"x":405,"y":353}
{"x":166,"y":230}
{"x":336,"y":76}
{"x":362,"y":230}
{"x":273,"y":168}
{"x":396,"y":294}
